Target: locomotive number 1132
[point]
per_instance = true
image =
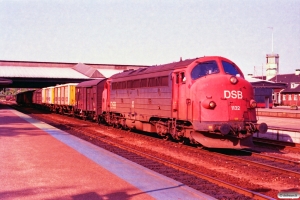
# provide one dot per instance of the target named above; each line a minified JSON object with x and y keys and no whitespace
{"x":235,"y":108}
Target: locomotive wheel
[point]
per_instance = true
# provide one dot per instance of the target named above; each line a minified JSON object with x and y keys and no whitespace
{"x":166,"y":137}
{"x":184,"y":141}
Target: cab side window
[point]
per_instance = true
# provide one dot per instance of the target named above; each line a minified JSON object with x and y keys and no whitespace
{"x":180,"y":77}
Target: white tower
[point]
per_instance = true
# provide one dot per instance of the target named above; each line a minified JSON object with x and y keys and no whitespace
{"x":272,"y":66}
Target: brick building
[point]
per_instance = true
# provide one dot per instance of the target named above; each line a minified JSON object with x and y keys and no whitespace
{"x":289,"y":96}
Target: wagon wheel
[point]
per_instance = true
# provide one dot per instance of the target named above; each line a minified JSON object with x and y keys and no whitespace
{"x":116,"y":126}
{"x":120,"y":127}
{"x":125,"y":127}
{"x":99,"y":121}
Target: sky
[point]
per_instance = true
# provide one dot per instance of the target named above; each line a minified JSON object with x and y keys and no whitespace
{"x":151,"y":32}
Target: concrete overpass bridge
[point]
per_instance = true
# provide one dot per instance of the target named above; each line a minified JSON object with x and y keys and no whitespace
{"x":26,"y":74}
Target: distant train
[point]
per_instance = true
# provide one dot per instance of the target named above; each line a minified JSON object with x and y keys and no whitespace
{"x":203,"y":101}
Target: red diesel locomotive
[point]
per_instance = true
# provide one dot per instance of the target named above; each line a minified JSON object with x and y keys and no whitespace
{"x":204,"y":100}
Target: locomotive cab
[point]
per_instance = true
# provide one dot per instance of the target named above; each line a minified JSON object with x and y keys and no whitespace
{"x":218,"y":101}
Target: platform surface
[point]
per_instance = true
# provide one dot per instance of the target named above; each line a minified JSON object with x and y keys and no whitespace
{"x":286,"y":123}
{"x":280,"y":112}
{"x":38,"y":161}
{"x":286,"y":109}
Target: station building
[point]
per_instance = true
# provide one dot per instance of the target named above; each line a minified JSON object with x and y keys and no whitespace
{"x":289,"y":96}
{"x":286,"y":90}
{"x":264,"y":91}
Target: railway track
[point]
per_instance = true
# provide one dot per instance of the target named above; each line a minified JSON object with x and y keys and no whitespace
{"x":203,"y":179}
{"x":273,"y":158}
{"x":289,"y":146}
{"x":280,"y":169}
{"x":190,"y":176}
{"x":279,"y":165}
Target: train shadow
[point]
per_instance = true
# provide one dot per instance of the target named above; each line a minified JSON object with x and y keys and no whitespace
{"x":231,"y":152}
{"x":245,"y":152}
{"x":30,"y":110}
{"x":96,"y":194}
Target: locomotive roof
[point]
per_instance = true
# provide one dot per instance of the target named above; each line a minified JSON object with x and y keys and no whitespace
{"x":156,"y":68}
{"x":89,"y":83}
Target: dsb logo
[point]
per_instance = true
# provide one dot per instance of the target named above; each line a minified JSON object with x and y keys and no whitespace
{"x":233,"y":94}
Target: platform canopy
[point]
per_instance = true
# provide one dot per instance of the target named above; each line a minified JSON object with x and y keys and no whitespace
{"x":28,"y":74}
{"x":4,"y":81}
{"x":259,"y":83}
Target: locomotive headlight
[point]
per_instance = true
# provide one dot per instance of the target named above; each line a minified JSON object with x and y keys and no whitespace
{"x":233,"y":80}
{"x":253,"y":104}
{"x":209,"y":104}
{"x":212,"y":104}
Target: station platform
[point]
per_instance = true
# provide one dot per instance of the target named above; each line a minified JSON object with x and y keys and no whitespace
{"x":280,"y":122}
{"x":279,"y":111}
{"x":281,"y":129}
{"x":38,"y":161}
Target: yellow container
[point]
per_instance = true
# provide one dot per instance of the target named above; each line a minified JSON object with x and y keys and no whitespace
{"x":43,"y":95}
{"x":49,"y":94}
{"x":67,"y":94}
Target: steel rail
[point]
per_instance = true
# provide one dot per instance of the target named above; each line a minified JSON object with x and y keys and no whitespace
{"x":240,"y":190}
{"x":285,"y":145}
{"x":272,"y":158}
{"x":265,"y":166}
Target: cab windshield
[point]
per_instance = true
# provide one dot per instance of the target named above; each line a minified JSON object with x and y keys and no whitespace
{"x":204,"y":68}
{"x":230,"y":68}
